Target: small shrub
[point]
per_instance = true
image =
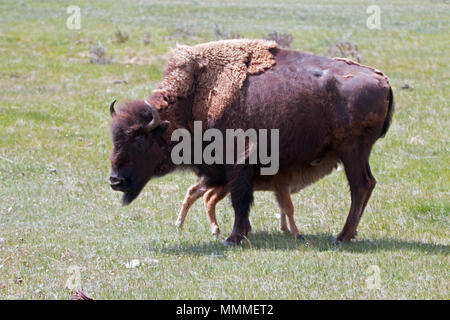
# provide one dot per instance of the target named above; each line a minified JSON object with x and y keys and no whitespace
{"x":97,"y":54}
{"x":147,"y":38}
{"x":345,"y":49}
{"x":121,"y":36}
{"x":182,"y":30}
{"x":223,"y":35}
{"x":283,"y":39}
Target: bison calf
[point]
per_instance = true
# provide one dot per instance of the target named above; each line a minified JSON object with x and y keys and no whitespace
{"x":284,"y":183}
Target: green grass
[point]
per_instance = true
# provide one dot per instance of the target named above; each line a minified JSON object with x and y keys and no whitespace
{"x":57,"y":209}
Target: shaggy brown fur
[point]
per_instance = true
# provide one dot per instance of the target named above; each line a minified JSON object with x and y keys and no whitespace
{"x":214,"y":73}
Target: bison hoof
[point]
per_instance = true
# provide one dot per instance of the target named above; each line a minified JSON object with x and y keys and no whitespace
{"x":336,"y":243}
{"x":227,"y":243}
{"x":232,"y":240}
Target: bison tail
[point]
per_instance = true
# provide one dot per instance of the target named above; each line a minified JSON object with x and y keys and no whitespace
{"x":388,"y":120}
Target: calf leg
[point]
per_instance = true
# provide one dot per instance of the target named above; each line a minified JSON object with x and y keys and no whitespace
{"x":210,"y":199}
{"x":287,"y":209}
{"x":193,"y":193}
{"x":241,"y":190}
{"x":361,"y":183}
{"x":283,"y":224}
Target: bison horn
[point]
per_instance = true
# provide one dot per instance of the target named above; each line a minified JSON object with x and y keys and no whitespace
{"x":111,"y":109}
{"x":155,"y":121}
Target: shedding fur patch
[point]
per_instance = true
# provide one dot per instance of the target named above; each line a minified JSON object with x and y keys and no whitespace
{"x":351,"y":62}
{"x":214,"y":73}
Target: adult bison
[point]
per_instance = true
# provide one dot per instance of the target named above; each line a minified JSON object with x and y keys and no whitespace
{"x":332,"y":109}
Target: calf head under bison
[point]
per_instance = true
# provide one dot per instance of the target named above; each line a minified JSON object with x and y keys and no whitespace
{"x":326,"y":111}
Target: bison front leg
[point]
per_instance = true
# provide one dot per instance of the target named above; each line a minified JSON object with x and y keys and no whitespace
{"x":241,"y":190}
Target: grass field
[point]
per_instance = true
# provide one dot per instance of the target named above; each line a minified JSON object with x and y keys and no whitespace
{"x":57,"y":211}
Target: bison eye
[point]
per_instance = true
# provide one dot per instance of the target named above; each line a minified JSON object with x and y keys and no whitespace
{"x":140,"y":144}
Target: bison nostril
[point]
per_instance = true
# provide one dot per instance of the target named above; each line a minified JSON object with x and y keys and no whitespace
{"x":116,"y":182}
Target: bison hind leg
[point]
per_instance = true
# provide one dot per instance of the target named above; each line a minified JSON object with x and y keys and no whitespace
{"x":362,"y":183}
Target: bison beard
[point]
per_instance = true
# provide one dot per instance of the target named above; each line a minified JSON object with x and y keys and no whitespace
{"x":324,"y":108}
{"x":128,"y":197}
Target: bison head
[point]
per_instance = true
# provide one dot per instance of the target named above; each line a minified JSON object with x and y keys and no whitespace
{"x":140,"y":151}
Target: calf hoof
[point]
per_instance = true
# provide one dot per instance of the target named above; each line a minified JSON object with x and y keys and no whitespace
{"x":284,"y":229}
{"x":179,"y":224}
{"x":300,"y":237}
{"x":215,"y":230}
